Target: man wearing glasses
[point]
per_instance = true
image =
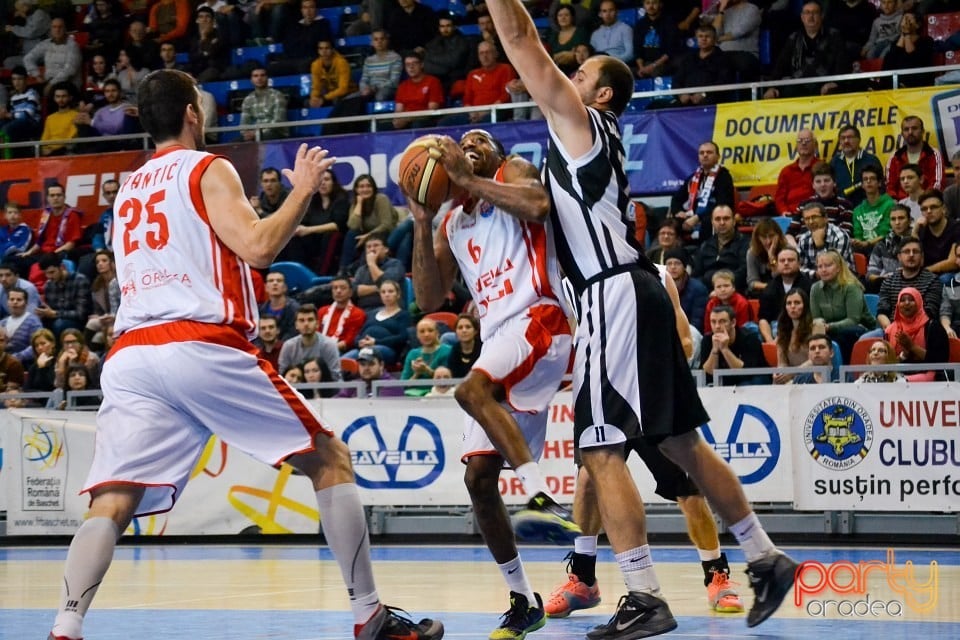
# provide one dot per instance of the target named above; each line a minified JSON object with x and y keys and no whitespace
{"x":910,"y":274}
{"x":939,"y":236}
{"x":821,"y":235}
{"x":795,"y":182}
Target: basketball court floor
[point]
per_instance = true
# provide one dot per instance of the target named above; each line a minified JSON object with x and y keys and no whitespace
{"x":295,"y":593}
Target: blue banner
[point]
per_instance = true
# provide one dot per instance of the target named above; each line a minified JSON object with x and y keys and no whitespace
{"x":660,"y":147}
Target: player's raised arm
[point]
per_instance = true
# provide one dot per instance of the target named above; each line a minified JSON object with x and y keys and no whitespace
{"x":434,"y":266}
{"x":554,"y":93}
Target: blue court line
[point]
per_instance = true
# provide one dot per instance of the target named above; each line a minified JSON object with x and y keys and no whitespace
{"x":452,"y":553}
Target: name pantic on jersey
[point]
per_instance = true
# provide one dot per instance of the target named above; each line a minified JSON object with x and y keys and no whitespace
{"x":170,"y":263}
{"x":508,"y":264}
{"x":590,"y":199}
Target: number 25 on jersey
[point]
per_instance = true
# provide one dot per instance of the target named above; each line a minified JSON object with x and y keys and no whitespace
{"x":143,"y":222}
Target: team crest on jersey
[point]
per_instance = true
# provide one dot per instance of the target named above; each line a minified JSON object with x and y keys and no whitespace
{"x":485,"y":209}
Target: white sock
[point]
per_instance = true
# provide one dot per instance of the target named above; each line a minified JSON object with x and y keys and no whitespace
{"x":752,"y":538}
{"x":585,"y":545}
{"x":516,"y":579}
{"x":636,"y":565}
{"x":532,"y":480}
{"x":706,"y":555}
{"x":91,"y":552}
{"x":345,"y":528}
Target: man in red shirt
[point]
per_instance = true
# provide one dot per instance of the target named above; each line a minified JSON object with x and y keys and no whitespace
{"x":795,"y":182}
{"x":59,"y":228}
{"x":341,"y":320}
{"x":915,"y":150}
{"x":486,"y":84}
{"x":419,"y":92}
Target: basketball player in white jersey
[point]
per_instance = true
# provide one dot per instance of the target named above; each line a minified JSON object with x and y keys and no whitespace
{"x":493,"y":235}
{"x":581,"y":590}
{"x":183,"y":368}
{"x":630,"y":377}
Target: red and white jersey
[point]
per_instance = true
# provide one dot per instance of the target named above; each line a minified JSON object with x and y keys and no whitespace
{"x":170,"y":263}
{"x":508,"y":264}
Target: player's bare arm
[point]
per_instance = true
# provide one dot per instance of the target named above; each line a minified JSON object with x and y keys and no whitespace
{"x":258,"y":241}
{"x":434,"y":266}
{"x":553,"y":92}
{"x":521,"y":194}
{"x":683,"y":324}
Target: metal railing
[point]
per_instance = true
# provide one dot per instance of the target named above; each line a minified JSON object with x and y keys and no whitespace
{"x":497,"y":110}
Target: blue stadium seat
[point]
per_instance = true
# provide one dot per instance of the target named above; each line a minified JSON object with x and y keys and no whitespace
{"x":872,"y":300}
{"x":783,"y":221}
{"x":381,"y":106}
{"x":307,"y":130}
{"x":298,"y":277}
{"x":228,"y":120}
{"x":259,"y":54}
{"x":628,"y":16}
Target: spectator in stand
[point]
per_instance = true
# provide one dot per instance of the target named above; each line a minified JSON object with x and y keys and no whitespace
{"x":693,"y":293}
{"x":466,"y":349}
{"x":909,"y":274}
{"x":381,"y":70}
{"x":912,"y":50}
{"x":951,"y":195}
{"x":854,"y":19}
{"x":565,"y":34}
{"x":294,"y":374}
{"x":19,"y":326}
{"x":411,"y":24}
{"x":710,"y":186}
{"x":884,"y":31}
{"x":97,"y":75}
{"x":881,"y":353}
{"x":766,"y":243}
{"x":105,"y":296}
{"x":418,"y":92}
{"x":66,"y":296}
{"x":871,"y":218}
{"x":446,"y":56}
{"x":56,"y":59}
{"x":371,"y":368}
{"x":342,"y":320}
{"x":300,"y":41}
{"x":317,"y":240}
{"x":685,"y":14}
{"x":314,"y":371}
{"x":102,"y":237}
{"x":371,"y":213}
{"x":20,"y":119}
{"x":656,"y":40}
{"x":105,"y":24}
{"x":208,"y":50}
{"x":115,"y":117}
{"x":484,"y":85}
{"x":915,"y":336}
{"x":795,"y":182}
{"x":421,"y":361}
{"x":488,"y":33}
{"x":387,"y":328}
{"x":819,"y":354}
{"x":725,"y":249}
{"x":272,"y":192}
{"x":331,"y":76}
{"x":229,"y":19}
{"x":169,"y":20}
{"x":730,"y":349}
{"x":16,"y":236}
{"x":884,"y":259}
{"x":377,"y":268}
{"x":849,"y":162}
{"x":914,"y":151}
{"x":612,"y":37}
{"x":60,"y":124}
{"x":29,"y":26}
{"x":129,"y":70}
{"x":41,"y":373}
{"x":11,"y":369}
{"x":74,"y":351}
{"x":812,"y":52}
{"x":738,"y":33}
{"x":939,"y":235}
{"x":821,"y":235}
{"x":725,"y":294}
{"x":309,"y":344}
{"x":263,"y":105}
{"x":280,"y":306}
{"x":137,"y":40}
{"x":10,"y":280}
{"x":788,"y":278}
{"x":269,"y":20}
{"x":582,"y":14}
{"x":668,"y":237}
{"x":268,"y":341}
{"x":911,"y":182}
{"x":59,"y":227}
{"x":950,"y":304}
{"x":839,"y":210}
{"x":837,"y":303}
{"x":706,"y":66}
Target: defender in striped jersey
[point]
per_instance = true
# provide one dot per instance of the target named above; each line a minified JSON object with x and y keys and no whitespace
{"x":630,"y":376}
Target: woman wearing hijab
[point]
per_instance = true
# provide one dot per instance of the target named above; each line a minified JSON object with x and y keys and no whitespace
{"x":915,"y":336}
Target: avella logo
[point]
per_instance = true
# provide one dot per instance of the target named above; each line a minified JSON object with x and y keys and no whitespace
{"x":414,"y":460}
{"x":752,"y":446}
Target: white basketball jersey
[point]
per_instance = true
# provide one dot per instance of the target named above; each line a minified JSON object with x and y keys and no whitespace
{"x":170,"y":263}
{"x":508,"y":265}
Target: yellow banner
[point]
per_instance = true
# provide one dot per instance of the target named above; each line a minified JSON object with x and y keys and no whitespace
{"x":758,"y":138}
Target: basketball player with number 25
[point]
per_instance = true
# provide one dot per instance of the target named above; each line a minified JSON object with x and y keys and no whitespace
{"x":183,"y":367}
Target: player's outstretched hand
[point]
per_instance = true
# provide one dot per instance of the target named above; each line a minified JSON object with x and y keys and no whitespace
{"x":309,"y":166}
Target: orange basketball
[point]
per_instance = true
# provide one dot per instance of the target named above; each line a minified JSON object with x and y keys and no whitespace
{"x":421,"y":174}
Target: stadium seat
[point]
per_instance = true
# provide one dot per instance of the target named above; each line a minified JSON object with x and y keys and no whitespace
{"x":349,"y":366}
{"x":446,"y":317}
{"x":860,"y":261}
{"x":298,"y":277}
{"x":770,"y":353}
{"x":783,"y":221}
{"x":941,"y":25}
{"x":954,"y":349}
{"x":872,"y":301}
{"x":381,"y":106}
{"x":240,"y":55}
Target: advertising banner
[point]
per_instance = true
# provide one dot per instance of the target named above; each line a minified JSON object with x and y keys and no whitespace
{"x":877,"y":447}
{"x":405,"y":452}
